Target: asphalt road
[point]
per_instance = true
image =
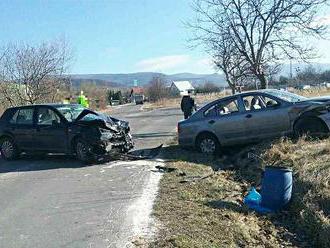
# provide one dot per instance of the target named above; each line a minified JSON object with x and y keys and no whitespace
{"x":56,"y":202}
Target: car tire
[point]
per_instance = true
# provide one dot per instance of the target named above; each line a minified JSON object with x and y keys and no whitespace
{"x":82,"y":151}
{"x":208,"y":144}
{"x":312,"y":127}
{"x":8,"y":148}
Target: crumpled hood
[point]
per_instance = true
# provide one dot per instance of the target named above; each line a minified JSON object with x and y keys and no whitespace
{"x":317,"y":105}
{"x":104,"y":121}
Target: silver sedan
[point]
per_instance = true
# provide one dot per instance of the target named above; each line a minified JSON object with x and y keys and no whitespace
{"x":252,"y":117}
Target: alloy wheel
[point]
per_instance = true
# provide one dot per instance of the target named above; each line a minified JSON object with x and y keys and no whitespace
{"x":7,"y":149}
{"x":208,"y":146}
{"x":81,"y":150}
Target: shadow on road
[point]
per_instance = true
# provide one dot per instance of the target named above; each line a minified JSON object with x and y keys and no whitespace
{"x":36,"y":163}
{"x":50,"y":162}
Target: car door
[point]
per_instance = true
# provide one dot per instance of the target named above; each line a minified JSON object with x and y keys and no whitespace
{"x":226,"y":119}
{"x":21,"y":125}
{"x":265,"y":116}
{"x":51,"y":131}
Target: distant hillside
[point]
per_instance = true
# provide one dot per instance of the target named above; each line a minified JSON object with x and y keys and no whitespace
{"x":143,"y":78}
{"x":77,"y":82}
{"x":196,"y":79}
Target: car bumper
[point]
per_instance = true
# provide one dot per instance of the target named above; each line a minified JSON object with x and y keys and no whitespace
{"x":186,"y":142}
{"x":122,"y":144}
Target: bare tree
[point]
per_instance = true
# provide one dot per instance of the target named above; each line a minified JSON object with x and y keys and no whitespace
{"x":262,"y":32}
{"x":33,"y":74}
{"x":228,"y":59}
{"x":156,"y":90}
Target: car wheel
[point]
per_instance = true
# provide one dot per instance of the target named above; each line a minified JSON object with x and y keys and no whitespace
{"x":208,"y":144}
{"x":311,"y":127}
{"x":82,"y":151}
{"x":9,"y":150}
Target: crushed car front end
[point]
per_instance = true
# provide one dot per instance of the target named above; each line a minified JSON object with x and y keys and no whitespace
{"x":115,"y":139}
{"x":104,"y":137}
{"x":312,"y":116}
{"x":92,"y":133}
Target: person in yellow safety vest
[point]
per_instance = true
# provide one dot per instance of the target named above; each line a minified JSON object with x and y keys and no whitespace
{"x":86,"y":102}
{"x":83,"y":100}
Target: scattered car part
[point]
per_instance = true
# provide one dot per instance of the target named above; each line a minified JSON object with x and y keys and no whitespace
{"x":165,"y":168}
{"x":132,"y":156}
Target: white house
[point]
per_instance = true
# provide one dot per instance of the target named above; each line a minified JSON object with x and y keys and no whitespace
{"x":181,"y":88}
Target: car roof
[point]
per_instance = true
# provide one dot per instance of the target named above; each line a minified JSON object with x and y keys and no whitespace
{"x":240,"y":95}
{"x":247,"y":93}
{"x":257,"y":91}
{"x":55,"y":105}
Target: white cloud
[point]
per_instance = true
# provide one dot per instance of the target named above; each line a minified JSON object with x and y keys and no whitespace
{"x":160,"y":64}
{"x":205,"y":63}
{"x":176,"y":64}
{"x":325,"y":20}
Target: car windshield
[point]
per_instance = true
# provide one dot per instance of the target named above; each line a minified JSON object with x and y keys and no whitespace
{"x":70,"y":112}
{"x":287,"y":96}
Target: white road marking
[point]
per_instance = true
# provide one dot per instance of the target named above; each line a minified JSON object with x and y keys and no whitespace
{"x":139,"y":212}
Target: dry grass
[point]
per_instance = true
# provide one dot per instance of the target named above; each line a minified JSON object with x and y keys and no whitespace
{"x":208,"y":212}
{"x":175,"y":102}
{"x":163,"y":103}
{"x":310,"y":161}
{"x":313,"y":92}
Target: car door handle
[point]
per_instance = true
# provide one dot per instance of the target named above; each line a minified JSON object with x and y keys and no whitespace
{"x":212,"y":121}
{"x":248,"y":116}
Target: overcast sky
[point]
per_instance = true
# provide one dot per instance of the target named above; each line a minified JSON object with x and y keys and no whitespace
{"x":114,"y":36}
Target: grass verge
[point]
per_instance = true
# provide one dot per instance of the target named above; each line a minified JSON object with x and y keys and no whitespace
{"x":198,"y":207}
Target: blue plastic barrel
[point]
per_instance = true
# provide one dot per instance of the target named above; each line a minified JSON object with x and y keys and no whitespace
{"x":276,"y":188}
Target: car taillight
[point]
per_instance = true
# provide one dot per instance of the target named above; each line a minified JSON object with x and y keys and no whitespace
{"x":178,"y":128}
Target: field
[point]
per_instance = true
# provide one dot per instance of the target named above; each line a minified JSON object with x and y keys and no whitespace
{"x":175,"y":102}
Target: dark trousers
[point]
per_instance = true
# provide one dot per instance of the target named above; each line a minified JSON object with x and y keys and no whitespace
{"x":186,"y":115}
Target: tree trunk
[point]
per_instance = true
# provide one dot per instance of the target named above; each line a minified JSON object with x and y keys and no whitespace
{"x":263,"y":81}
{"x":231,"y":84}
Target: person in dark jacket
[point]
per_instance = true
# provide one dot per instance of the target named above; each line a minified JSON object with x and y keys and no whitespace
{"x":187,"y":105}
